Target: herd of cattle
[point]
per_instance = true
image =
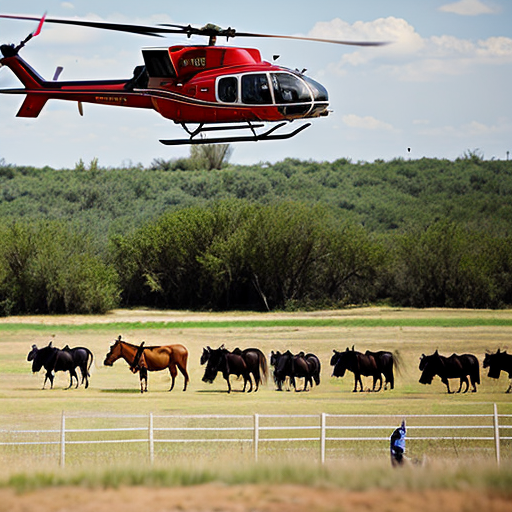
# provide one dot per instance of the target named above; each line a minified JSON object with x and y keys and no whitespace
{"x":251,"y":365}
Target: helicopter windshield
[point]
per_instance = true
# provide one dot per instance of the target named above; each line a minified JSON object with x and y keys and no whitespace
{"x":319,"y":91}
{"x":289,"y":89}
{"x":294,"y":95}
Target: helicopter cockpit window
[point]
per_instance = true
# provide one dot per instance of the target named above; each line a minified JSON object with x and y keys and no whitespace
{"x":319,"y":91}
{"x":255,"y":89}
{"x":289,"y":89}
{"x":158,"y":64}
{"x":228,"y":89}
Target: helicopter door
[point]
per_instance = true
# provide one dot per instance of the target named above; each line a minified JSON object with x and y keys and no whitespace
{"x":255,"y":89}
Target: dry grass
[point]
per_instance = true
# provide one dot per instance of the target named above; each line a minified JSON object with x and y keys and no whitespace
{"x":115,"y":390}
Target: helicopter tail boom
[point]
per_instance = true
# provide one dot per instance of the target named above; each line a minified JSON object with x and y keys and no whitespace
{"x":23,"y":71}
{"x":33,"y":103}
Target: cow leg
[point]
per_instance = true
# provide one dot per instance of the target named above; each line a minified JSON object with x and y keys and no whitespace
{"x":226,"y":377}
{"x":248,"y":377}
{"x":76,"y":377}
{"x":70,"y":379}
{"x":257,"y":378}
{"x":85,"y":375}
{"x":358,"y":380}
{"x":447,"y":384}
{"x":509,"y":386}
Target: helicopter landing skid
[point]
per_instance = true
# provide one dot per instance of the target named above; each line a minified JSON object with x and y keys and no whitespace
{"x":255,"y":137}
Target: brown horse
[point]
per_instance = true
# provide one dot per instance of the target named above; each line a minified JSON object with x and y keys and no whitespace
{"x":150,"y":359}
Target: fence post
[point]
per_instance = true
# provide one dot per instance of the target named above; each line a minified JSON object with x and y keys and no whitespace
{"x":496,"y":435}
{"x":256,"y":436}
{"x":322,"y":437}
{"x":151,"y":440}
{"x":63,"y":440}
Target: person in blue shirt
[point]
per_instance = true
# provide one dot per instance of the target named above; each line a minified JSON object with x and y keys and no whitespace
{"x":397,"y":445}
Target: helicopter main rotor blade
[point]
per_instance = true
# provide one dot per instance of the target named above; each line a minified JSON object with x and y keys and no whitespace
{"x":188,"y":30}
{"x":119,"y":27}
{"x":315,"y":39}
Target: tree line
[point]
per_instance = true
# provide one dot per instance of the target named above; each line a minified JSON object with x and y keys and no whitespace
{"x":236,"y":253}
{"x":382,"y":196}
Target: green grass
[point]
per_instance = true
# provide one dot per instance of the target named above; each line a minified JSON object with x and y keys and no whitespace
{"x":251,"y":324}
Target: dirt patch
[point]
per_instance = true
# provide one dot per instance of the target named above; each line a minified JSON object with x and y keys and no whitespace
{"x":250,"y":498}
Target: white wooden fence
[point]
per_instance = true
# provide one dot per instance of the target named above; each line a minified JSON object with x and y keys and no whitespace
{"x":259,"y":429}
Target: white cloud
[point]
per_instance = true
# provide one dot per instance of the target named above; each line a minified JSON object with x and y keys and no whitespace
{"x":471,"y":129}
{"x":495,"y":47}
{"x":468,"y":8}
{"x":67,"y":5}
{"x":365,"y":123}
{"x":411,"y":57}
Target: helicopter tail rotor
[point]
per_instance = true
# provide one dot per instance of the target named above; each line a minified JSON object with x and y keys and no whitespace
{"x":9,"y":50}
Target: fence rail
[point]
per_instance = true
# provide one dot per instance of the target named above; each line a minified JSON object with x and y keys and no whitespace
{"x":324,"y":429}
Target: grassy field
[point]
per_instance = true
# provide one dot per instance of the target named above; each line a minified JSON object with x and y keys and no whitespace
{"x":114,"y":390}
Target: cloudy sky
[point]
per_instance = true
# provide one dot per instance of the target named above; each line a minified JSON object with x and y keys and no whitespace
{"x":442,"y":88}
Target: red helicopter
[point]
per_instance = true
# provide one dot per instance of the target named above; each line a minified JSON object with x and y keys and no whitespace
{"x":216,"y":87}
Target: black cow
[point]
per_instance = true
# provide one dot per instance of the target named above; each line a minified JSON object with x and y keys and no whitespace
{"x":357,"y":363}
{"x":453,"y":367}
{"x":385,"y":362}
{"x":288,"y":365}
{"x":54,"y":360}
{"x":83,"y":358}
{"x":222,"y":360}
{"x":498,"y":362}
{"x":255,"y":362}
